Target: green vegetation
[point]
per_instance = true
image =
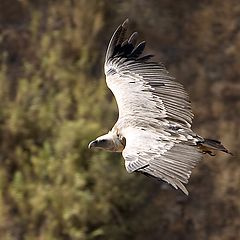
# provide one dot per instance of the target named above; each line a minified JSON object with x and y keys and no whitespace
{"x":54,"y":100}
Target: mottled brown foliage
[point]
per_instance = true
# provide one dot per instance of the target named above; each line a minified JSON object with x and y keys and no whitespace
{"x":54,"y":100}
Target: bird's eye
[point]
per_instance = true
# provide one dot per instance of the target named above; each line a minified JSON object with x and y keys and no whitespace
{"x":103,"y":140}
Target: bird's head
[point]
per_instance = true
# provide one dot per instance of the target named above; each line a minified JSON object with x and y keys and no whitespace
{"x":109,"y":142}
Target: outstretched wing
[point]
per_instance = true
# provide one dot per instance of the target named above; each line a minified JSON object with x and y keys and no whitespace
{"x":142,"y":87}
{"x":150,"y":153}
{"x":154,"y":112}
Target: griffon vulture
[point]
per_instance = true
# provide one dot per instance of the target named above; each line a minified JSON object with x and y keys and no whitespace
{"x":153,"y":130}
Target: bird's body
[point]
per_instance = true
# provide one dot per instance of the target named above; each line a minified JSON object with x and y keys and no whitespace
{"x":153,"y":130}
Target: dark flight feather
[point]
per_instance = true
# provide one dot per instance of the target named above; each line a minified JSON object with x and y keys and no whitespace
{"x":127,"y":48}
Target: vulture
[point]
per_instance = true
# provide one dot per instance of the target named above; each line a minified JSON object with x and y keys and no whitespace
{"x":153,"y":130}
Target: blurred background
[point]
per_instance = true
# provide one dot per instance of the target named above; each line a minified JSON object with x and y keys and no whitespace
{"x":54,"y":100}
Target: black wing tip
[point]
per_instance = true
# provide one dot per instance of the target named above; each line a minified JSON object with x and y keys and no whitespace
{"x":128,"y":48}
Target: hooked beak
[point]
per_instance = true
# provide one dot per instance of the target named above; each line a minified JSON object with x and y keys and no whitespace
{"x":92,"y":144}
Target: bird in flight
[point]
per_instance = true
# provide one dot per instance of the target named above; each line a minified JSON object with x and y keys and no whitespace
{"x":153,"y":130}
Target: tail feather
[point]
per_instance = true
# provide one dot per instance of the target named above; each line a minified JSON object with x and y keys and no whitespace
{"x":209,"y":145}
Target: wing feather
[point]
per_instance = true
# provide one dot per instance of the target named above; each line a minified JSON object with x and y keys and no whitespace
{"x":171,"y":161}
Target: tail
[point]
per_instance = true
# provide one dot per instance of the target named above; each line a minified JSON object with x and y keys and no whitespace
{"x":209,"y":145}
